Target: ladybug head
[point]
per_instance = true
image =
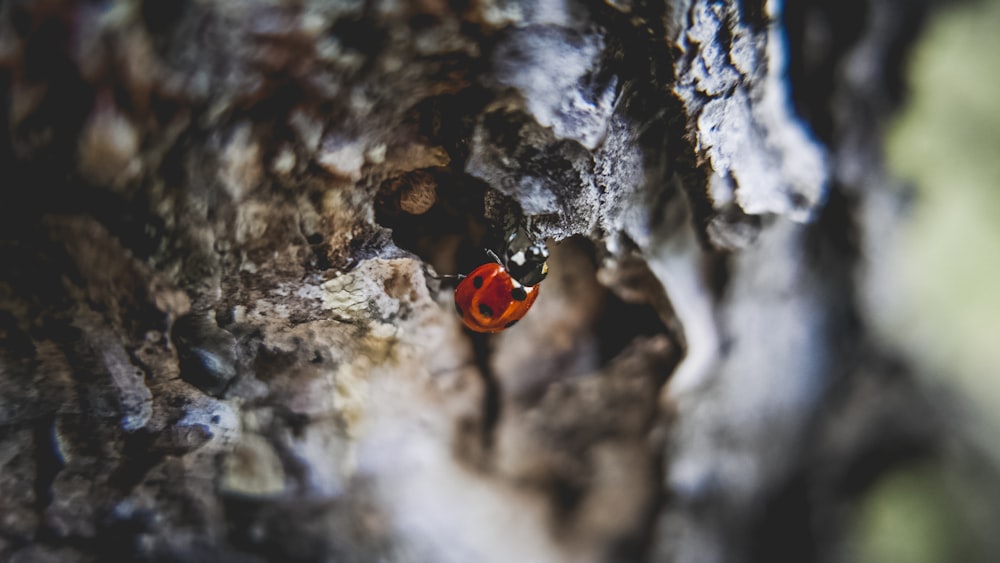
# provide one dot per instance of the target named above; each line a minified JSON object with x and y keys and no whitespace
{"x":526,"y":260}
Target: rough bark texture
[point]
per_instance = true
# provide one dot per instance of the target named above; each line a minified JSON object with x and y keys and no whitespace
{"x":221,"y":342}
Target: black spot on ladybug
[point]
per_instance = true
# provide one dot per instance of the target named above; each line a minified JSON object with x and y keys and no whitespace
{"x":510,"y":324}
{"x":485,"y":310}
{"x":458,"y":308}
{"x":519,"y":294}
{"x":477,"y":281}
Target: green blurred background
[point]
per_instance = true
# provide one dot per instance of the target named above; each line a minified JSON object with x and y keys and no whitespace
{"x":946,"y":311}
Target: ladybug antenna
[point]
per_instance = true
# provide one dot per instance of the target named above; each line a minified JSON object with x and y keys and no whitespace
{"x":494,"y":256}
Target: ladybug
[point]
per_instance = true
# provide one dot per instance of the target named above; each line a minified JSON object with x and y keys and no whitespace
{"x":498,"y":294}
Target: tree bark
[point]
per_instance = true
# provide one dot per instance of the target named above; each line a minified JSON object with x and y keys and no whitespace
{"x":222,"y":334}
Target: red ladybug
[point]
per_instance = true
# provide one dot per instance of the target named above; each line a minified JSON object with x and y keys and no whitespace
{"x":497,"y":295}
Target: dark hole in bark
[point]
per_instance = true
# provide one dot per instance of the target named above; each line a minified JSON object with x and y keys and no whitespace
{"x":448,"y":236}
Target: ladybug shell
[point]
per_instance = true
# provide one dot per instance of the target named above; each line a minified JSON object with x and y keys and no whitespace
{"x":490,"y":300}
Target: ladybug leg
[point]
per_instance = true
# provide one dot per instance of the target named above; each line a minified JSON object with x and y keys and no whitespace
{"x":431,"y":274}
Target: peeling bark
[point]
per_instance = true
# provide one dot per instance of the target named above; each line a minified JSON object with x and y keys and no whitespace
{"x":223,"y":337}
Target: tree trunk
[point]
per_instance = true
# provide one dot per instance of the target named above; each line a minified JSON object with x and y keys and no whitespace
{"x":223,"y":337}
